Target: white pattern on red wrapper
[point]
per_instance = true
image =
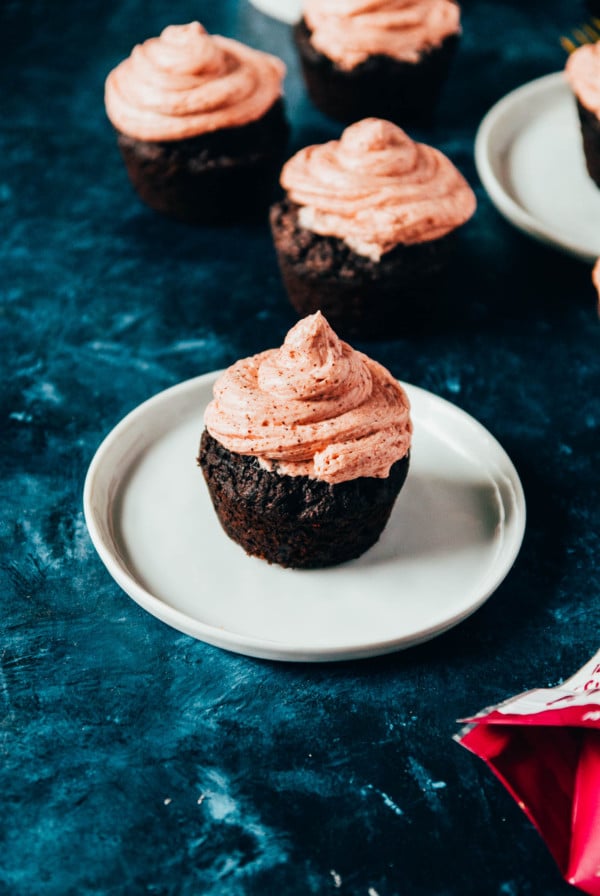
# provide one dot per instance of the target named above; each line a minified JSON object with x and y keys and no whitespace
{"x":375,"y":188}
{"x":544,"y":746}
{"x":314,"y":407}
{"x":349,"y":31}
{"x":187,"y":82}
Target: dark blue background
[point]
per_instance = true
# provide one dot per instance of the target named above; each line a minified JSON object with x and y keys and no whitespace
{"x":137,"y":760}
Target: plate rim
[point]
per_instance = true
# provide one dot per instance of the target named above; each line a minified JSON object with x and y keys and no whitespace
{"x":508,"y":207}
{"x":266,"y":648}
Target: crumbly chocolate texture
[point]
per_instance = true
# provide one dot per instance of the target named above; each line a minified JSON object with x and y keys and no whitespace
{"x":217,"y":178}
{"x":358,"y":296}
{"x":296,"y":521}
{"x":383,"y":87}
{"x":590,"y":131}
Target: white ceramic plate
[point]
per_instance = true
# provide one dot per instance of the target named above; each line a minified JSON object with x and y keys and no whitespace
{"x":454,"y":533}
{"x":530,"y":160}
{"x":285,"y":10}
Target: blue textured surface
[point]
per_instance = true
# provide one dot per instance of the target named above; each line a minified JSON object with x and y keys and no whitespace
{"x":137,"y":760}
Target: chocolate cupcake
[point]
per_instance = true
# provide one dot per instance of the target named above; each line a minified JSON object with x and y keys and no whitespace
{"x":200,"y":124}
{"x":305,"y":449}
{"x":366,"y":228}
{"x":583,"y":75}
{"x":387,"y":58}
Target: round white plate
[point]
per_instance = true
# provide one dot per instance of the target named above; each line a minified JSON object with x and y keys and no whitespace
{"x":284,"y":10}
{"x":529,"y":156}
{"x":454,"y":533}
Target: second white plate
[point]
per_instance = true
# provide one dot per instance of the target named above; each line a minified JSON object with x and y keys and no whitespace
{"x":454,"y":533}
{"x":530,"y":160}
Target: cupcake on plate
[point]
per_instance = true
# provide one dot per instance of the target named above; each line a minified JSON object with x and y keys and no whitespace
{"x":387,"y":58}
{"x":305,"y":449}
{"x":583,"y":75}
{"x":200,"y":124}
{"x":366,"y":227}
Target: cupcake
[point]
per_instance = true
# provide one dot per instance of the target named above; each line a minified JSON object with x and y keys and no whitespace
{"x":387,"y":58}
{"x":305,"y":449}
{"x":366,"y":227}
{"x":200,"y":124}
{"x":583,"y":75}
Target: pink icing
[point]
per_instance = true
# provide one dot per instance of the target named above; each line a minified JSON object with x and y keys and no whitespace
{"x":596,"y":279}
{"x":376,"y":188}
{"x":349,"y":31}
{"x":583,"y":74}
{"x":187,"y":82}
{"x":314,"y":407}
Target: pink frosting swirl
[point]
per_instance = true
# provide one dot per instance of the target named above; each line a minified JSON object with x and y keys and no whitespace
{"x":596,"y":280}
{"x":376,"y":188}
{"x":583,"y":75}
{"x":314,"y":407}
{"x":187,"y":82}
{"x":349,"y":31}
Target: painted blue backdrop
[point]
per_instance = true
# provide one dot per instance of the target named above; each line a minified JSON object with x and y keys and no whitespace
{"x":135,"y":759}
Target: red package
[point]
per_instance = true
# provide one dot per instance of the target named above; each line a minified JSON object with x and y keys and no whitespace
{"x":544,"y":746}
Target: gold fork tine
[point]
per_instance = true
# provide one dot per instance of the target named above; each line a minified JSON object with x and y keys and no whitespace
{"x":585,"y":34}
{"x":580,"y":36}
{"x":568,"y":45}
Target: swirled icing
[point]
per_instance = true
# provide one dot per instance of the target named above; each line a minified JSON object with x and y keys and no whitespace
{"x":376,"y":188}
{"x":349,"y":31}
{"x":583,"y":75}
{"x":314,"y":407}
{"x":187,"y":82}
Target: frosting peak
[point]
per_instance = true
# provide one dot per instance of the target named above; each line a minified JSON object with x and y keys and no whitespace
{"x":314,"y":407}
{"x":583,"y":75}
{"x":187,"y":82}
{"x":349,"y":31}
{"x":377,"y":146}
{"x":311,"y":364}
{"x":375,"y":188}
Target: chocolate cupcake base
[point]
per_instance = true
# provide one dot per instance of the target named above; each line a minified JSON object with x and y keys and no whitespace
{"x":358,"y":296}
{"x":216,"y":178}
{"x":380,"y":87}
{"x":296,"y":521}
{"x":590,"y":132}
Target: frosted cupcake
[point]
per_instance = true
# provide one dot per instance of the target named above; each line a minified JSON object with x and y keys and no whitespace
{"x":366,"y":227}
{"x":387,"y":58}
{"x":200,"y":124}
{"x":583,"y":75}
{"x":305,"y":449}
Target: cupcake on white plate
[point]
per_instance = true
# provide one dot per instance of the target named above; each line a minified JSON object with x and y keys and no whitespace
{"x":583,"y":74}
